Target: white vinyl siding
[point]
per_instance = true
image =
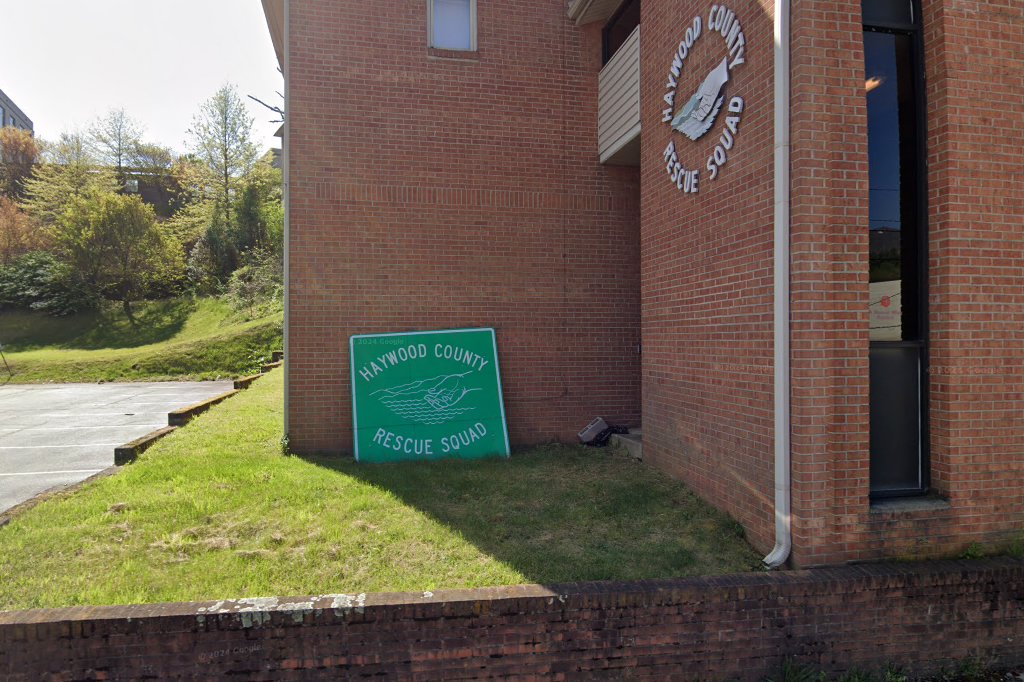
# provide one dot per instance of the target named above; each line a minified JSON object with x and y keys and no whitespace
{"x":619,"y":98}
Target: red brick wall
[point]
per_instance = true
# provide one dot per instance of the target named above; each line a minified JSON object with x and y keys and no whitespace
{"x":829,"y":279}
{"x":922,"y":617}
{"x":706,"y":281}
{"x":976,"y":283}
{"x":975,"y":68}
{"x":706,"y":264}
{"x":431,"y":193}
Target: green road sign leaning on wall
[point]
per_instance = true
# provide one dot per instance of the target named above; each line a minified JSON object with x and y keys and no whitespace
{"x":427,"y":395}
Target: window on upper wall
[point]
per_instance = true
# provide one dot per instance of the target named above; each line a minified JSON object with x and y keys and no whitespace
{"x":452,"y":24}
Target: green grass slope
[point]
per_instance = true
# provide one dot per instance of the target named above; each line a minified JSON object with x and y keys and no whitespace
{"x":216,"y":511}
{"x":177,"y":339}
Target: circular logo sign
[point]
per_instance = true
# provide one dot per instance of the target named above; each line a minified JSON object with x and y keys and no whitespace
{"x":695,"y":101}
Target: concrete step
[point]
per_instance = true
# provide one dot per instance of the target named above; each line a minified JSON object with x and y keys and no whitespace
{"x":632,"y":442}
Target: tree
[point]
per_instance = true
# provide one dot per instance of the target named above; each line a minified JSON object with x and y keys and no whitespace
{"x":115,"y":140}
{"x":221,"y":138}
{"x":18,"y":154}
{"x":189,"y":223}
{"x":258,"y":224}
{"x":113,"y":243}
{"x":152,"y":158}
{"x":193,"y":182}
{"x":219,"y":244}
{"x":200,"y":268}
{"x":152,"y":167}
{"x":70,"y":149}
{"x":69,"y":172}
{"x":18,"y":233}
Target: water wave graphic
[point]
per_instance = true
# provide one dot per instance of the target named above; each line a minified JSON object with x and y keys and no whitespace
{"x":429,"y":401}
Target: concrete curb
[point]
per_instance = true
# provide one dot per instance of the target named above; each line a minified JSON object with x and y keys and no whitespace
{"x":129,"y":452}
{"x":187,"y":414}
{"x":245,"y":382}
{"x":631,"y":442}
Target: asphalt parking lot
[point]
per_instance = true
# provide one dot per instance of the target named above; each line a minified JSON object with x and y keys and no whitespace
{"x":60,"y":434}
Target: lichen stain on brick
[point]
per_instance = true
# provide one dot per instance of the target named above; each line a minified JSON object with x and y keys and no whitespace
{"x":257,"y":604}
{"x":252,"y":619}
{"x":256,"y":611}
{"x":343,"y":604}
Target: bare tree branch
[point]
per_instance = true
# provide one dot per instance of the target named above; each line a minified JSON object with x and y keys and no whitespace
{"x":277,"y":110}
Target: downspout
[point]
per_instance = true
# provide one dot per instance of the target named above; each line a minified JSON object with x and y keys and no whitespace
{"x":286,"y":154}
{"x":783,"y":527}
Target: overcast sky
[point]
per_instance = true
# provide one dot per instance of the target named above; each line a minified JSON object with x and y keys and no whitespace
{"x":66,"y":62}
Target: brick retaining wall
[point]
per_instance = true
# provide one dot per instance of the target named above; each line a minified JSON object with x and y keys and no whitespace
{"x":922,"y":616}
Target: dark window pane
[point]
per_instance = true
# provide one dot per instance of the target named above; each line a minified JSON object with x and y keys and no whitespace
{"x":887,"y":12}
{"x":892,"y":172}
{"x":620,"y":27}
{"x":895,"y":419}
{"x":898,"y":379}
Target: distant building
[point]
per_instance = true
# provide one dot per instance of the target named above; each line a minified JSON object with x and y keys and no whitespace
{"x":158,"y":190}
{"x":11,"y":115}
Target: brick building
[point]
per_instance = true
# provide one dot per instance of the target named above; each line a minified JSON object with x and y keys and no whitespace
{"x":785,"y":235}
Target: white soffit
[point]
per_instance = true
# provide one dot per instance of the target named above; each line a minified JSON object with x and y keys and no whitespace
{"x":588,"y":11}
{"x":274,"y":10}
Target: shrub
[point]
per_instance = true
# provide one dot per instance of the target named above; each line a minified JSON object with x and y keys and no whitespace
{"x":257,"y":287}
{"x":38,"y":281}
{"x":115,"y":244}
{"x":18,"y":232}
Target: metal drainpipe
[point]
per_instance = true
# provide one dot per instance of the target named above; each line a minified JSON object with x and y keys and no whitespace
{"x":286,"y":155}
{"x":783,"y":527}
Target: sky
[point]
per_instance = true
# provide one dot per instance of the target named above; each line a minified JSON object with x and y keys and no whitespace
{"x":67,"y":62}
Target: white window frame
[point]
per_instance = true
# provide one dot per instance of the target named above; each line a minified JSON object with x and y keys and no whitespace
{"x":472,"y":28}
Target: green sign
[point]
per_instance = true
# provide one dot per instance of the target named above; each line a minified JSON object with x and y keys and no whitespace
{"x":427,"y":395}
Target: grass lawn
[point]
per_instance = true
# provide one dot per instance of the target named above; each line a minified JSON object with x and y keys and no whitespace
{"x":215,"y":511}
{"x":176,"y":339}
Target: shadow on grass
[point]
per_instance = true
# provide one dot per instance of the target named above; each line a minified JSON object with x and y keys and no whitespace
{"x":561,"y":513}
{"x":155,"y":321}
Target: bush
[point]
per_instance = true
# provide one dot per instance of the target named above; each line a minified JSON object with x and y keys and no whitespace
{"x":38,"y":281}
{"x":18,"y":233}
{"x":200,"y":270}
{"x":115,"y":245}
{"x":257,"y":288}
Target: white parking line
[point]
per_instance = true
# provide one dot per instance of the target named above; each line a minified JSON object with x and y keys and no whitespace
{"x":73,"y":428}
{"x":44,"y":473}
{"x":86,"y":415}
{"x":37,"y":447}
